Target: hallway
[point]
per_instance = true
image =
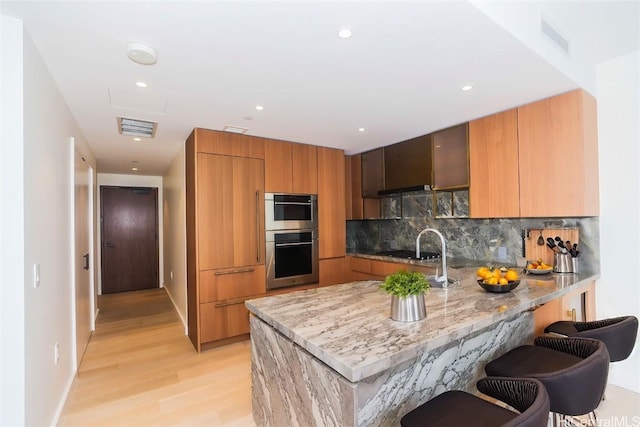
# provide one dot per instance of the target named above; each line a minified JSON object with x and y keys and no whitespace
{"x":140,"y":369}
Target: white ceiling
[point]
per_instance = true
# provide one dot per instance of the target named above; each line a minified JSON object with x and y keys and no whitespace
{"x":399,"y":76}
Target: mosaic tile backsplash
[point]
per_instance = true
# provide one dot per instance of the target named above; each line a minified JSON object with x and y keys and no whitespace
{"x":496,"y":241}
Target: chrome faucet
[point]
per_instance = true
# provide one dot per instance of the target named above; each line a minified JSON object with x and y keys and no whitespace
{"x":442,"y":279}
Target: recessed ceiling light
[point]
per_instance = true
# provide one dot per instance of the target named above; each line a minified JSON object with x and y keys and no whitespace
{"x":141,"y":84}
{"x":142,"y":53}
{"x":136,"y":139}
{"x":344,"y":33}
{"x":467,"y":87}
{"x":134,"y":169}
{"x":360,"y":129}
{"x":259,"y":107}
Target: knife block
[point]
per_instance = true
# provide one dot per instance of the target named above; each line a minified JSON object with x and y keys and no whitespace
{"x":562,"y":263}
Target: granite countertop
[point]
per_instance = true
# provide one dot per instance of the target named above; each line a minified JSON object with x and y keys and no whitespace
{"x":348,"y":326}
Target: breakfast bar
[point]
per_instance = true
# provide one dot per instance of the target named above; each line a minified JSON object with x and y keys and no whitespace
{"x":332,"y":356}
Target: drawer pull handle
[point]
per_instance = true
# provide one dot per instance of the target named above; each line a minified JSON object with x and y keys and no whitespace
{"x":227,"y":304}
{"x":245,"y":270}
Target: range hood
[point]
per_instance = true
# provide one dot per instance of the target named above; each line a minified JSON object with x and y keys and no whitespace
{"x":407,"y":166}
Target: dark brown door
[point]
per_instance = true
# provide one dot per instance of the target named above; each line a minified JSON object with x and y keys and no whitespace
{"x":129,"y":217}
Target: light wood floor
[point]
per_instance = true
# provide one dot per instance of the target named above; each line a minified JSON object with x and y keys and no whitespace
{"x":140,"y":369}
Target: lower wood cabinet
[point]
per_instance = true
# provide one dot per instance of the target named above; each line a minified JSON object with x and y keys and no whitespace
{"x":223,"y":319}
{"x":578,"y":305}
{"x":333,"y":271}
{"x":222,"y":295}
{"x":371,"y":269}
{"x":228,"y":283}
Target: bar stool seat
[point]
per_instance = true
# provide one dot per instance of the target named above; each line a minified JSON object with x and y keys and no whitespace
{"x":458,"y":408}
{"x":617,"y":333}
{"x":573,"y":370}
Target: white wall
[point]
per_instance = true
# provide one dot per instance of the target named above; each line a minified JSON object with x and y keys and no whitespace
{"x":175,"y":234}
{"x":12,"y":321}
{"x":132,"y":181}
{"x":618,"y":290}
{"x":44,"y":315}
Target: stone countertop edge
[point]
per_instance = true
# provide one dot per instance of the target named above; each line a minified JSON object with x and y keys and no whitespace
{"x":347,"y":326}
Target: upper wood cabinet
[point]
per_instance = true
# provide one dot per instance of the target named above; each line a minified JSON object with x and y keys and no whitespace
{"x":450,"y":158}
{"x":227,"y":143}
{"x":357,"y":206}
{"x":331,"y":208}
{"x":539,"y":160}
{"x":290,"y":167}
{"x":493,"y":150}
{"x":558,"y":156}
{"x":372,"y":172}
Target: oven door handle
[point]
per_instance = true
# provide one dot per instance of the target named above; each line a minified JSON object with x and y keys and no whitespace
{"x":280,"y":245}
{"x":293,"y":203}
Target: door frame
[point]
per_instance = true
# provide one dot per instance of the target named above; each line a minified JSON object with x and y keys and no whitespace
{"x":93,"y":310}
{"x":121,"y":180}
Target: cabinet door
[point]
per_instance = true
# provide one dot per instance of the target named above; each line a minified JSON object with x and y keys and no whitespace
{"x":408,"y":164}
{"x":278,"y":166}
{"x":494,"y":190}
{"x":331,"y":211}
{"x":372,"y":172}
{"x":304,"y":169}
{"x":230,"y":144}
{"x":230,"y":211}
{"x":218,"y":285}
{"x":558,"y":156}
{"x":450,"y":158}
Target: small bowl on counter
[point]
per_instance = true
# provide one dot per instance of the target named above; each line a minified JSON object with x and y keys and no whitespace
{"x":498,"y":288}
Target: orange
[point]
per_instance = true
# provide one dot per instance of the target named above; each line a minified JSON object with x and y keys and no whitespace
{"x":492,"y":281}
{"x":497,"y":273}
{"x":511,"y":275}
{"x":482,"y":272}
{"x":503,"y":281}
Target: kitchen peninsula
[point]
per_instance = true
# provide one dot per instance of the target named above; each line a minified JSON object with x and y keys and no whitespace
{"x":333,"y":357}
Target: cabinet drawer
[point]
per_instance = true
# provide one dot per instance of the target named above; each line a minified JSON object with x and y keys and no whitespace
{"x":228,"y":283}
{"x":361,"y":264}
{"x":223,"y":320}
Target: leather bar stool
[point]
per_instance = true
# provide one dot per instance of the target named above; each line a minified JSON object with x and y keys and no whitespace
{"x":458,"y":408}
{"x":618,"y":333}
{"x":573,"y":370}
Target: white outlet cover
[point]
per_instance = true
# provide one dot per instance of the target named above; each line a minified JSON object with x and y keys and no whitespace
{"x":36,"y":275}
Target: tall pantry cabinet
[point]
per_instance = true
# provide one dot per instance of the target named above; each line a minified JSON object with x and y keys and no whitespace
{"x":225,"y":232}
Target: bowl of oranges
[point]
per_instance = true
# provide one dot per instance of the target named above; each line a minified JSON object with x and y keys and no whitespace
{"x":538,"y":267}
{"x":493,"y":279}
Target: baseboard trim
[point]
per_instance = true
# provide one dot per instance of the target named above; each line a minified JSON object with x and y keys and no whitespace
{"x":175,"y":307}
{"x":63,"y":401}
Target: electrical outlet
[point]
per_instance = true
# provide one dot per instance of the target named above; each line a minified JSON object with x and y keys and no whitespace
{"x":393,"y":244}
{"x":56,"y":353}
{"x":502,"y":253}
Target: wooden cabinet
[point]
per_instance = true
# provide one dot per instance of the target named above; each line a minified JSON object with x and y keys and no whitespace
{"x":357,"y":206}
{"x":558,"y":156}
{"x":493,"y":150}
{"x":225,"y":233}
{"x":290,"y":167}
{"x":230,"y":210}
{"x":539,"y":160}
{"x":579,"y":305}
{"x":408,"y":164}
{"x":371,"y":269}
{"x":333,"y":271}
{"x":450,"y":158}
{"x":372,"y":172}
{"x":331,"y":209}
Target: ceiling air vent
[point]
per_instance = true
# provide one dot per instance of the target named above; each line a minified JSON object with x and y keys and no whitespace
{"x":135,"y":127}
{"x":234,"y":129}
{"x":554,"y":35}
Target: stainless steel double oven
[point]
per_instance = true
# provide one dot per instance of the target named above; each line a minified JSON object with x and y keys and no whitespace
{"x":291,"y":224}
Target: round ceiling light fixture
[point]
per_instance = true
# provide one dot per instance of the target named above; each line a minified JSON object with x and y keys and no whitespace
{"x":344,"y":33}
{"x":141,"y":53}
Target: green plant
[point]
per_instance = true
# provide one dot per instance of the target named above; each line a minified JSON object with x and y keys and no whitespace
{"x":404,"y":283}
